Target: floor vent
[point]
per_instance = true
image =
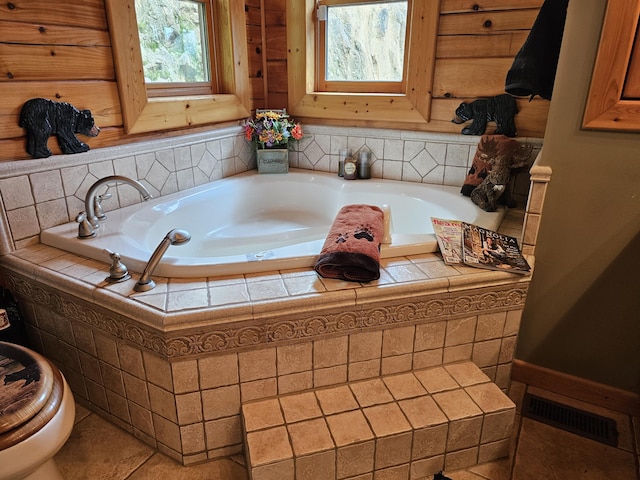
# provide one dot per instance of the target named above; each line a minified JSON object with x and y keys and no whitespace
{"x":585,"y":424}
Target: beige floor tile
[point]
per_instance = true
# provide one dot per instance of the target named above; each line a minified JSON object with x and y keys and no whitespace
{"x":99,"y":450}
{"x":623,"y":422}
{"x":496,"y":470}
{"x":468,"y":475}
{"x":547,"y":452}
{"x":81,"y":413}
{"x":161,"y":467}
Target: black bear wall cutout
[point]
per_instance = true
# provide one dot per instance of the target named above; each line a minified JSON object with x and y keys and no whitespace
{"x":500,"y":109}
{"x":43,"y":118}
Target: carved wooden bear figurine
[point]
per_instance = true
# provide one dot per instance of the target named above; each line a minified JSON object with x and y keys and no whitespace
{"x":43,"y":118}
{"x":500,"y":109}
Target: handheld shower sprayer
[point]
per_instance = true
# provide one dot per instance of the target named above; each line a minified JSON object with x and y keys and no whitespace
{"x":174,"y":237}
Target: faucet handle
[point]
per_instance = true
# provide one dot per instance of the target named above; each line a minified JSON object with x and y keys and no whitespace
{"x":118,"y":271}
{"x":85,"y":229}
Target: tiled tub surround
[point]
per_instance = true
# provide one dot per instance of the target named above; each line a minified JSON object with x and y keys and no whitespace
{"x":174,"y":365}
{"x":41,"y":193}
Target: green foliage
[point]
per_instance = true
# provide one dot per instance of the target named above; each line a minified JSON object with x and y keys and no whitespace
{"x":366,"y":42}
{"x":172,"y":40}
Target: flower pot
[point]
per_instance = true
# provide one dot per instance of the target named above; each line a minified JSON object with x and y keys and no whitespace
{"x":273,"y":160}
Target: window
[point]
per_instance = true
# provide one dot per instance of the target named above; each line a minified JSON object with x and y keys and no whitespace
{"x":176,"y":47}
{"x":408,"y":105}
{"x":361,"y":46}
{"x":224,"y":98}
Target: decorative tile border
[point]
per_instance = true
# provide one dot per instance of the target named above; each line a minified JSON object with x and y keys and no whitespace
{"x":238,"y":338}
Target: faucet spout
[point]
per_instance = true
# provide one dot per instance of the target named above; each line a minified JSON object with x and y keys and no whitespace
{"x":90,"y":203}
{"x":174,"y":237}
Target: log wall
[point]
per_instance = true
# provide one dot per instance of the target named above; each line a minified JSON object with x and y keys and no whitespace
{"x":61,"y":50}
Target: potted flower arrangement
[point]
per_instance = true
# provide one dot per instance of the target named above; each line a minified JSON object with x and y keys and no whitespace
{"x":270,"y":132}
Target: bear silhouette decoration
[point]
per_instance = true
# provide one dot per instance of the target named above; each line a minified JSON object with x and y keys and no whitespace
{"x":500,"y":109}
{"x":43,"y":118}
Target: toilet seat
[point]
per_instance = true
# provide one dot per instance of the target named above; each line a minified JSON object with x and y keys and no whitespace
{"x":41,"y":410}
{"x":31,"y":392}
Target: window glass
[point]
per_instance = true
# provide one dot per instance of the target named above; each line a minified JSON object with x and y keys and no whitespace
{"x":173,"y":41}
{"x":366,"y":42}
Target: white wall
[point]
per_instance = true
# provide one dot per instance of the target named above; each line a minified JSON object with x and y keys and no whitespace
{"x":582,"y":315}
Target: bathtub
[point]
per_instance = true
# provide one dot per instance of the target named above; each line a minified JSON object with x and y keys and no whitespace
{"x":255,"y":223}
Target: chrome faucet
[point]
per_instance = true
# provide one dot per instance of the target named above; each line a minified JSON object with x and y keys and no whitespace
{"x":92,"y":200}
{"x":174,"y":237}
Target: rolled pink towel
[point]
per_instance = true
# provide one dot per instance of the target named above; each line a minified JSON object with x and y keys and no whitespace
{"x":351,"y":250}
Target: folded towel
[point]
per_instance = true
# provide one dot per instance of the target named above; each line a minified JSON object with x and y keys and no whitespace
{"x":352,"y":248}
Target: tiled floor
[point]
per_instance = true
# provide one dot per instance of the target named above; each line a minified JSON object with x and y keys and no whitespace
{"x":99,"y":450}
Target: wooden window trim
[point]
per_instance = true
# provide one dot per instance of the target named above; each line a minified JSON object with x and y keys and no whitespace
{"x":324,"y":85}
{"x":164,"y":89}
{"x":411,"y":106}
{"x":141,"y":113}
{"x":606,"y":109}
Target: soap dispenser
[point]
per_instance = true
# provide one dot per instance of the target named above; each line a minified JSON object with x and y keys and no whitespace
{"x":350,"y":168}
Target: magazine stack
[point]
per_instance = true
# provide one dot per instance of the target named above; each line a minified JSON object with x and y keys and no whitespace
{"x":464,"y":243}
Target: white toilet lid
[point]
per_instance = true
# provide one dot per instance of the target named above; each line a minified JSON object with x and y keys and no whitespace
{"x":26,"y":383}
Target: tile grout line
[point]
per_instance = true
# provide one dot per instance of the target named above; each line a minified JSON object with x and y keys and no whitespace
{"x":130,"y":474}
{"x":518,"y":430}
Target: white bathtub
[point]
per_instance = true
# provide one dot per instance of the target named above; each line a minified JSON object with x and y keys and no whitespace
{"x":255,"y":223}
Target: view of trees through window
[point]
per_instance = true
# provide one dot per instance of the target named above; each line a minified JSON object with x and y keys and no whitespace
{"x":365,"y":43}
{"x":173,"y":40}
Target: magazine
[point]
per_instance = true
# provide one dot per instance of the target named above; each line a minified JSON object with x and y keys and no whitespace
{"x":449,"y":236}
{"x":488,"y":249}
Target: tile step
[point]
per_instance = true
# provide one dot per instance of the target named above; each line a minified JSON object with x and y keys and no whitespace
{"x":406,"y":426}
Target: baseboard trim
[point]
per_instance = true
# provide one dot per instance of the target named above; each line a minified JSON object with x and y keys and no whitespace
{"x":577,"y":388}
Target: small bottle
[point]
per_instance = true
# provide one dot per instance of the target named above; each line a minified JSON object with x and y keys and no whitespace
{"x":344,"y":154}
{"x":350,"y":168}
{"x":364,"y":164}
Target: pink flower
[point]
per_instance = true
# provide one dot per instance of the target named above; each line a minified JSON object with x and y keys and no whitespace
{"x":248,"y":132}
{"x":296,"y":132}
